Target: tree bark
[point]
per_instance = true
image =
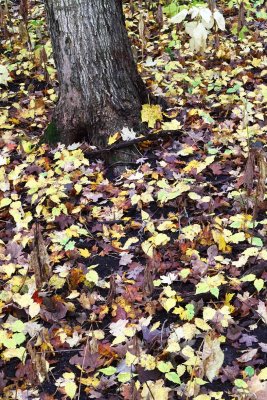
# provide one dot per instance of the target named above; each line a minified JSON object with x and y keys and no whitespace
{"x":100,"y":90}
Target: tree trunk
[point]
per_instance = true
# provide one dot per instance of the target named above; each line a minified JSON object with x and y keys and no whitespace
{"x":100,"y":89}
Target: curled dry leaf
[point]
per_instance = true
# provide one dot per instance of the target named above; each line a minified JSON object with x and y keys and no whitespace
{"x":212,"y":356}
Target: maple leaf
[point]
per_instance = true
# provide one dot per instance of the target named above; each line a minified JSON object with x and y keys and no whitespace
{"x":151,"y":114}
{"x":87,"y":360}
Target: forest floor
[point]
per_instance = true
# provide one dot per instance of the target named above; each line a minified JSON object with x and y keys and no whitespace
{"x":152,"y":285}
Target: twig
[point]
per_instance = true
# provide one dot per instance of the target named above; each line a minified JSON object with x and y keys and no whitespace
{"x":150,"y":391}
{"x":122,"y":145}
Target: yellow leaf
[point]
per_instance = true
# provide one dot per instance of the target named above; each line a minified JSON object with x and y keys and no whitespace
{"x":151,"y":114}
{"x":5,"y":202}
{"x":129,"y":242}
{"x":145,"y":216}
{"x":194,"y":164}
{"x":119,"y":339}
{"x":180,"y":370}
{"x":208,"y":313}
{"x":78,"y":188}
{"x":201,"y":324}
{"x":219,"y":239}
{"x":24,"y":300}
{"x":90,"y":381}
{"x":263,"y":374}
{"x":92,"y":276}
{"x":20,"y":353}
{"x":194,"y":196}
{"x":155,"y":390}
{"x":160,"y":239}
{"x":169,"y":292}
{"x":130,"y":359}
{"x":84,"y":253}
{"x":34,"y":309}
{"x":203,"y":397}
{"x":173,"y":125}
{"x":237,"y":237}
{"x":148,"y":248}
{"x":190,"y":232}
{"x":57,"y":282}
{"x":148,"y":362}
{"x":256,"y":62}
{"x":112,"y":139}
{"x":135,"y":198}
{"x":168,"y":304}
{"x":166,"y":225}
{"x":27,"y":146}
{"x":70,"y":389}
{"x":173,"y":347}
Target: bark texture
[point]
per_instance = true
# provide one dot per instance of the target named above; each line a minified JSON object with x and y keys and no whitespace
{"x":100,"y":89}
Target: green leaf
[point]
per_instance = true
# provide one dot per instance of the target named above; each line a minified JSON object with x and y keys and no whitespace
{"x":70,"y":245}
{"x":190,"y":311}
{"x":240,"y":384}
{"x":70,"y":389}
{"x":249,"y":371}
{"x":256,"y":241}
{"x":171,"y":9}
{"x":234,"y":89}
{"x":92,"y":276}
{"x":248,"y":278}
{"x":164,"y":366}
{"x":17,"y":326}
{"x":108,"y":371}
{"x":202,"y":287}
{"x":19,"y":338}
{"x":173,"y":377}
{"x":124,"y":377}
{"x":259,"y":284}
{"x":215,"y":292}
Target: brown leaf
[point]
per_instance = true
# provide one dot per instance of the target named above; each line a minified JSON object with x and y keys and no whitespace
{"x":54,"y":311}
{"x":87,"y":360}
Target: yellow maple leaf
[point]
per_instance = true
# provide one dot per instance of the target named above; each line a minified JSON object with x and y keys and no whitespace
{"x":84,"y":253}
{"x":151,"y":114}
